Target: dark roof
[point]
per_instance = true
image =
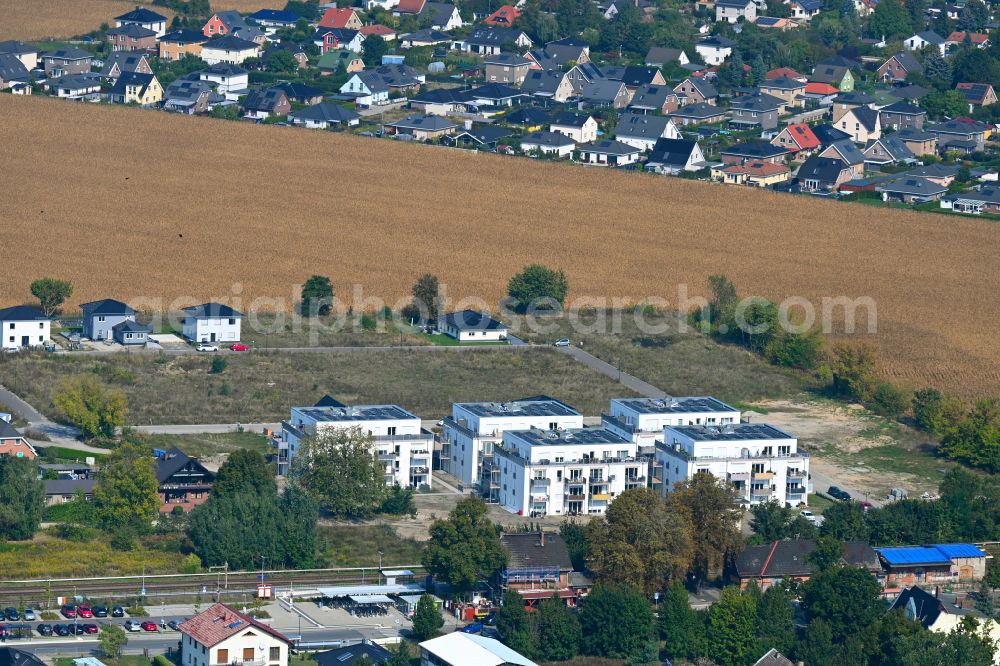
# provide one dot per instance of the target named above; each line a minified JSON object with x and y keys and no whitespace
{"x":230,"y":43}
{"x":840,"y":61}
{"x":274,"y":15}
{"x":827,"y":134}
{"x":16,"y":47}
{"x":542,"y":82}
{"x":659,"y":55}
{"x":761,"y":102}
{"x":570,"y":119}
{"x":23,"y":313}
{"x":903,"y":107}
{"x":674,"y":152}
{"x":783,"y":83}
{"x":919,"y":606}
{"x":431,"y":123}
{"x":71,"y":53}
{"x":931,"y":37}
{"x":828,"y":74}
{"x":329,"y":401}
{"x":184,"y":36}
{"x":908,"y":61}
{"x":508,"y":59}
{"x":772,"y":657}
{"x":125,"y":61}
{"x":132,"y":30}
{"x":699,"y":110}
{"x":131,"y":79}
{"x":776,"y":559}
{"x":650,"y":96}
{"x":848,"y":151}
{"x":854,"y":97}
{"x":754,"y":149}
{"x":529,"y":551}
{"x":608,"y":147}
{"x":529,"y":115}
{"x":494,"y":91}
{"x":172,"y":462}
{"x":471,"y":320}
{"x":439,"y":12}
{"x":823,"y":169}
{"x":13,"y":657}
{"x":224,"y":69}
{"x":637,"y":76}
{"x":493,"y":36}
{"x":974,"y":92}
{"x":894,"y":146}
{"x":716,"y":41}
{"x":106,"y":306}
{"x":211,"y":310}
{"x":603,"y":90}
{"x":346,"y":656}
{"x":131,"y":326}
{"x":141,"y":15}
{"x":867,"y":116}
{"x":912,"y":185}
{"x":439,"y":96}
{"x":326,"y":112}
{"x":486,"y":133}
{"x":68,"y":486}
{"x":12,"y":69}
{"x":8,"y":431}
{"x":914,"y":134}
{"x":298,"y":91}
{"x":544,"y":138}
{"x":959,"y":126}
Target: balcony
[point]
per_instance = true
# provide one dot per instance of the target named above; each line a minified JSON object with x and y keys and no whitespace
{"x":795,"y":490}
{"x":600,"y":497}
{"x":576,"y":497}
{"x":420,"y":469}
{"x":386,"y":457}
{"x":244,"y":662}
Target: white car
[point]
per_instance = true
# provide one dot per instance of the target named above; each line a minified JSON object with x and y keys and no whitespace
{"x":562,"y":342}
{"x":811,"y":517}
{"x":132,"y":625}
{"x":208,"y":347}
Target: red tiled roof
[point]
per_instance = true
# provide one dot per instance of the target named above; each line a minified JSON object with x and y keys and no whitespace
{"x":506,"y":15}
{"x":220,"y":622}
{"x":782,"y":71}
{"x":821,"y":88}
{"x":336,"y":17}
{"x":377,"y":29}
{"x":409,"y":6}
{"x":803,"y":136}
{"x":958,"y":37}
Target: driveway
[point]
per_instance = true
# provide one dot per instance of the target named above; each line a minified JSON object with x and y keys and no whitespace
{"x":642,"y":388}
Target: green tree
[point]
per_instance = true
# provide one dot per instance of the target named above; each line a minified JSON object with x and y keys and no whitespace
{"x":51,"y":293}
{"x":845,"y":521}
{"x":244,"y":471}
{"x":372,"y":50}
{"x":722,"y":306}
{"x":889,"y":20}
{"x":399,"y":502}
{"x":795,"y":350}
{"x":926,"y":406}
{"x":829,"y":553}
{"x":616,"y":621}
{"x":218,"y":365}
{"x":558,"y":630}
{"x":538,"y":287}
{"x":929,"y":648}
{"x":680,"y":626}
{"x":125,"y":495}
{"x":732,"y":624}
{"x":427,"y":297}
{"x":889,"y":400}
{"x":112,"y":641}
{"x":465,"y":547}
{"x":816,"y":646}
{"x":770,"y":520}
{"x":974,"y":65}
{"x":976,"y":440}
{"x":22,"y":498}
{"x":937,"y":69}
{"x":974,"y":17}
{"x":775,"y":620}
{"x":574,"y":535}
{"x":855,"y":366}
{"x":317,"y":296}
{"x":98,"y":411}
{"x":941,"y":104}
{"x":427,"y":619}
{"x":642,"y":540}
{"x":282,"y":60}
{"x":715,"y":518}
{"x":341,"y":470}
{"x":846,"y":598}
{"x":514,"y":625}
{"x":992,"y":578}
{"x":400,"y":655}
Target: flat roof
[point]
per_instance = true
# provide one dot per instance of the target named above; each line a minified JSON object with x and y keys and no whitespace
{"x":356,"y":413}
{"x":368,"y":590}
{"x":680,"y":405}
{"x":732,"y":433}
{"x":569,"y":436}
{"x":519,"y":408}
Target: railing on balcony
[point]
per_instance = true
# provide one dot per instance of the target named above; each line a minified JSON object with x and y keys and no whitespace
{"x":244,"y":662}
{"x":419,"y":470}
{"x":600,"y":497}
{"x":579,"y":497}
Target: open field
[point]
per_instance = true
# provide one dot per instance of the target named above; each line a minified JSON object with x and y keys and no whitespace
{"x":211,"y":448}
{"x":262,"y":387}
{"x":108,"y":207}
{"x":37,"y":19}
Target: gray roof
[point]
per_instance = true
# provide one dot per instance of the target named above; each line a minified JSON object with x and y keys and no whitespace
{"x":472,"y":320}
{"x":8,"y":431}
{"x":326,"y":112}
{"x":183,"y":90}
{"x":895,"y":147}
{"x":761,"y":102}
{"x":962,"y":127}
{"x":508,"y":59}
{"x":848,"y":151}
{"x":211,"y":310}
{"x":125,"y":60}
{"x":703,"y":86}
{"x":569,"y":119}
{"x":716,"y":41}
{"x":486,"y":35}
{"x":908,"y":61}
{"x":440,"y":12}
{"x":914,"y":134}
{"x":184,"y":37}
{"x":133,"y":30}
{"x":912,"y":185}
{"x":358,"y":413}
{"x":224,"y":69}
{"x":106,"y":306}
{"x":867,"y":116}
{"x":608,"y":147}
{"x":551,"y":139}
{"x":903,"y":107}
{"x":651,"y":96}
{"x":602,"y":90}
{"x":755,"y":150}
{"x":12,"y":69}
{"x":641,"y":126}
{"x":429,"y":123}
{"x":675,"y":405}
{"x":16,"y":47}
{"x":75,"y":81}
{"x":699,"y":110}
{"x":783,"y":83}
{"x":854,"y":97}
{"x":232,"y":19}
{"x":536,"y":550}
{"x":71,"y":53}
{"x":13,"y":657}
{"x":984,"y":195}
{"x":23,"y":313}
{"x":826,"y":170}
{"x":672,"y":152}
{"x":264,"y":100}
{"x":568,"y":436}
{"x":131,"y":326}
{"x":736,"y":432}
{"x":931,"y":37}
{"x":68,"y":486}
{"x":828,"y":74}
{"x":346,"y":656}
{"x":657,"y":56}
{"x":545,"y":407}
{"x":230,"y":43}
{"x":141,"y":15}
{"x":539,"y":82}
{"x":937,"y":170}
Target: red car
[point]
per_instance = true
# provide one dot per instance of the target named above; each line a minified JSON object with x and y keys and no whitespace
{"x":148,"y":626}
{"x":84,"y":611}
{"x":90,"y":628}
{"x":239,"y":346}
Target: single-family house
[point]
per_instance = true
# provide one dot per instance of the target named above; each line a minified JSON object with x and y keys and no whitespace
{"x":977,"y":94}
{"x":221,"y":635}
{"x":821,"y":94}
{"x":181,"y":44}
{"x":862,"y":123}
{"x":898,"y":66}
{"x":781,"y":72}
{"x":12,"y":71}
{"x":274,"y":19}
{"x":439,"y":101}
{"x":24,"y":326}
{"x":341,"y":17}
{"x":910,"y":190}
{"x":503,"y":17}
{"x":962,"y":134}
{"x":799,"y":138}
{"x":754,"y":151}
{"x":297,"y":51}
{"x":99,"y":317}
{"x":634,"y":76}
{"x":550,"y":143}
{"x":332,"y":39}
{"x":422,"y":128}
{"x":481,"y":137}
{"x":70,"y":60}
{"x":229,"y":49}
{"x":790,"y":91}
{"x":974,"y":202}
{"x":262,"y":104}
{"x":752,"y":111}
{"x":131,"y":333}
{"x":823,"y":173}
{"x":299,"y":93}
{"x":121,"y":61}
{"x":902,"y":114}
{"x":978,"y":39}
{"x":697,"y":114}
{"x":440,"y":15}
{"x":834,"y":75}
{"x":608,"y":153}
{"x":136,"y":88}
{"x":131,"y":37}
{"x":672,"y":156}
{"x":13,"y":443}
{"x":75,"y":86}
{"x":506,"y":68}
{"x":529,"y":118}
{"x":940,"y":174}
{"x":324,"y":116}
{"x":373,"y":87}
{"x":143,"y":17}
{"x":224,"y":23}
{"x":560,"y":53}
{"x":657,"y":99}
{"x":644,"y":131}
{"x":920,"y":142}
{"x":609,"y":9}
{"x":212,"y":322}
{"x":714,"y":49}
{"x":771,"y":563}
{"x":229,"y":80}
{"x":754,"y":174}
{"x":924,"y":39}
{"x":472,"y":326}
{"x":886,"y":151}
{"x":462,"y":649}
{"x":736,"y":11}
{"x":849,"y":101}
{"x":848,"y":153}
{"x":426,"y":37}
{"x":489,"y":41}
{"x":538,"y":566}
{"x":661,"y":56}
{"x":582,"y":74}
{"x":933,"y":614}
{"x":805,"y":10}
{"x":580,"y":128}
{"x":493,"y":96}
{"x":26,"y":53}
{"x":332,"y":61}
{"x":181,"y":481}
{"x":62,"y":490}
{"x":547,"y":85}
{"x":378,"y":30}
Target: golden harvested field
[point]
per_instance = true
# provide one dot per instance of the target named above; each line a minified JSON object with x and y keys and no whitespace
{"x":131,"y":203}
{"x":40,"y":19}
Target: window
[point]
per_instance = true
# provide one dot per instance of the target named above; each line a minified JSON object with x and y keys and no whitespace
{"x":274,"y":654}
{"x":248,"y":654}
{"x":223,"y":656}
{"x":391,"y":430}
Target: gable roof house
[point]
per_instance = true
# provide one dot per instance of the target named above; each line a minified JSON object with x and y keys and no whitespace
{"x":978,"y":39}
{"x":323,"y":116}
{"x":551,"y":143}
{"x":805,"y":10}
{"x":550,"y":85}
{"x":373,"y":87}
{"x":486,"y":137}
{"x":790,"y":91}
{"x":422,"y":128}
{"x":12,"y":71}
{"x":26,"y":53}
{"x":835,"y":75}
{"x":144,"y":18}
{"x":736,"y":11}
{"x":753,"y":173}
{"x":13,"y":443}
{"x":341,"y":17}
{"x":472,"y":326}
{"x":715,"y":49}
{"x":644,"y":131}
{"x":538,"y":565}
{"x":605,"y":93}
{"x":182,"y":481}
{"x":920,"y":142}
{"x":582,"y":74}
{"x":224,"y":23}
{"x":910,"y":190}
{"x":426,"y":37}
{"x":848,"y":153}
{"x":926,"y":38}
{"x":121,"y":61}
{"x":331,"y":39}
{"x":902,"y":114}
{"x":331,"y":61}
{"x":180,"y":44}
{"x":977,"y":94}
{"x":506,"y":68}
{"x":24,"y":326}
{"x":896,"y":68}
{"x":503,"y":17}
{"x":442,"y":15}
{"x":580,"y":128}
{"x":770,"y":563}
{"x":131,"y":37}
{"x":672,"y":156}
{"x":750,"y":111}
{"x":229,"y":49}
{"x":489,"y":40}
{"x":608,"y":153}
{"x":798,"y":138}
{"x":847,"y":101}
{"x":655,"y":99}
{"x":862,"y":123}
{"x":962,"y":134}
{"x":261,"y":104}
{"x":230,"y":80}
{"x":823,"y":173}
{"x":65,"y":61}
{"x":696,"y":89}
{"x":185,"y":96}
{"x":300,"y":93}
{"x":557,"y":54}
{"x":974,"y":202}
{"x":754,"y":151}
{"x":660,"y":56}
{"x":888,"y":150}
{"x":75,"y":86}
{"x":99,"y":317}
{"x":439,"y":101}
{"x":274,"y":18}
{"x":221,"y":635}
{"x":136,"y":88}
{"x":696,"y":114}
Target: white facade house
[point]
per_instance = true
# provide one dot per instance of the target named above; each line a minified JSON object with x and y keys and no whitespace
{"x":582,"y":129}
{"x":212,"y":322}
{"x":472,"y":326}
{"x":144,"y":18}
{"x":762,"y":461}
{"x":566,"y":472}
{"x":229,"y":80}
{"x":714,"y":50}
{"x":229,"y":49}
{"x":924,"y":39}
{"x":732,"y":11}
{"x":402,"y":446}
{"x":461,"y":649}
{"x":24,"y":326}
{"x":643,"y":419}
{"x":473,"y":430}
{"x":221,"y":635}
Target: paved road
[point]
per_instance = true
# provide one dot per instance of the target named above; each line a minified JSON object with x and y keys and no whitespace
{"x":625,"y":379}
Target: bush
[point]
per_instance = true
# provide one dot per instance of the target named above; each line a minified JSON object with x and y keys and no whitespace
{"x":124,"y":540}
{"x":368,"y":322}
{"x":136,"y":611}
{"x":538,"y":287}
{"x":890,"y":401}
{"x":160,"y":660}
{"x":49,"y":615}
{"x":77,"y":533}
{"x":218,"y":365}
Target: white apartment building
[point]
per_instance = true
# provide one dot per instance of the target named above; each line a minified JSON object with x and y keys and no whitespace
{"x":402,"y":446}
{"x":470,"y":434}
{"x":566,"y":472}
{"x":643,"y":419}
{"x":24,"y":326}
{"x":762,"y":461}
{"x":221,"y":636}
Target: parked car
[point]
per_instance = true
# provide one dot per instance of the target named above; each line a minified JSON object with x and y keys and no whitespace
{"x":837,"y":493}
{"x":89,"y":628}
{"x":132,"y":625}
{"x":149,"y":626}
{"x":11,"y":614}
{"x":239,"y":346}
{"x":174,"y":624}
{"x":45,"y":629}
{"x":29,"y":615}
{"x":474,"y":628}
{"x":562,"y":342}
{"x":78,"y":629}
{"x":100,"y":611}
{"x":61,"y":630}
{"x":208,"y":347}
{"x":117,"y":611}
{"x":84,"y":611}
{"x":68,"y":611}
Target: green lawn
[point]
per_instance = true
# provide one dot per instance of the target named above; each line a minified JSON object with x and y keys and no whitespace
{"x":359,"y":546}
{"x":58,"y":454}
{"x":818,"y":504}
{"x":209,"y":445}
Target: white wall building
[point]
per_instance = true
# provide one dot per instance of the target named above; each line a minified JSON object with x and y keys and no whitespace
{"x":473,"y":430}
{"x":566,"y":472}
{"x":643,"y":419}
{"x":24,"y":326}
{"x":223,"y":636}
{"x":402,"y":446}
{"x":461,"y":649}
{"x":212,"y":322}
{"x":763,"y":462}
